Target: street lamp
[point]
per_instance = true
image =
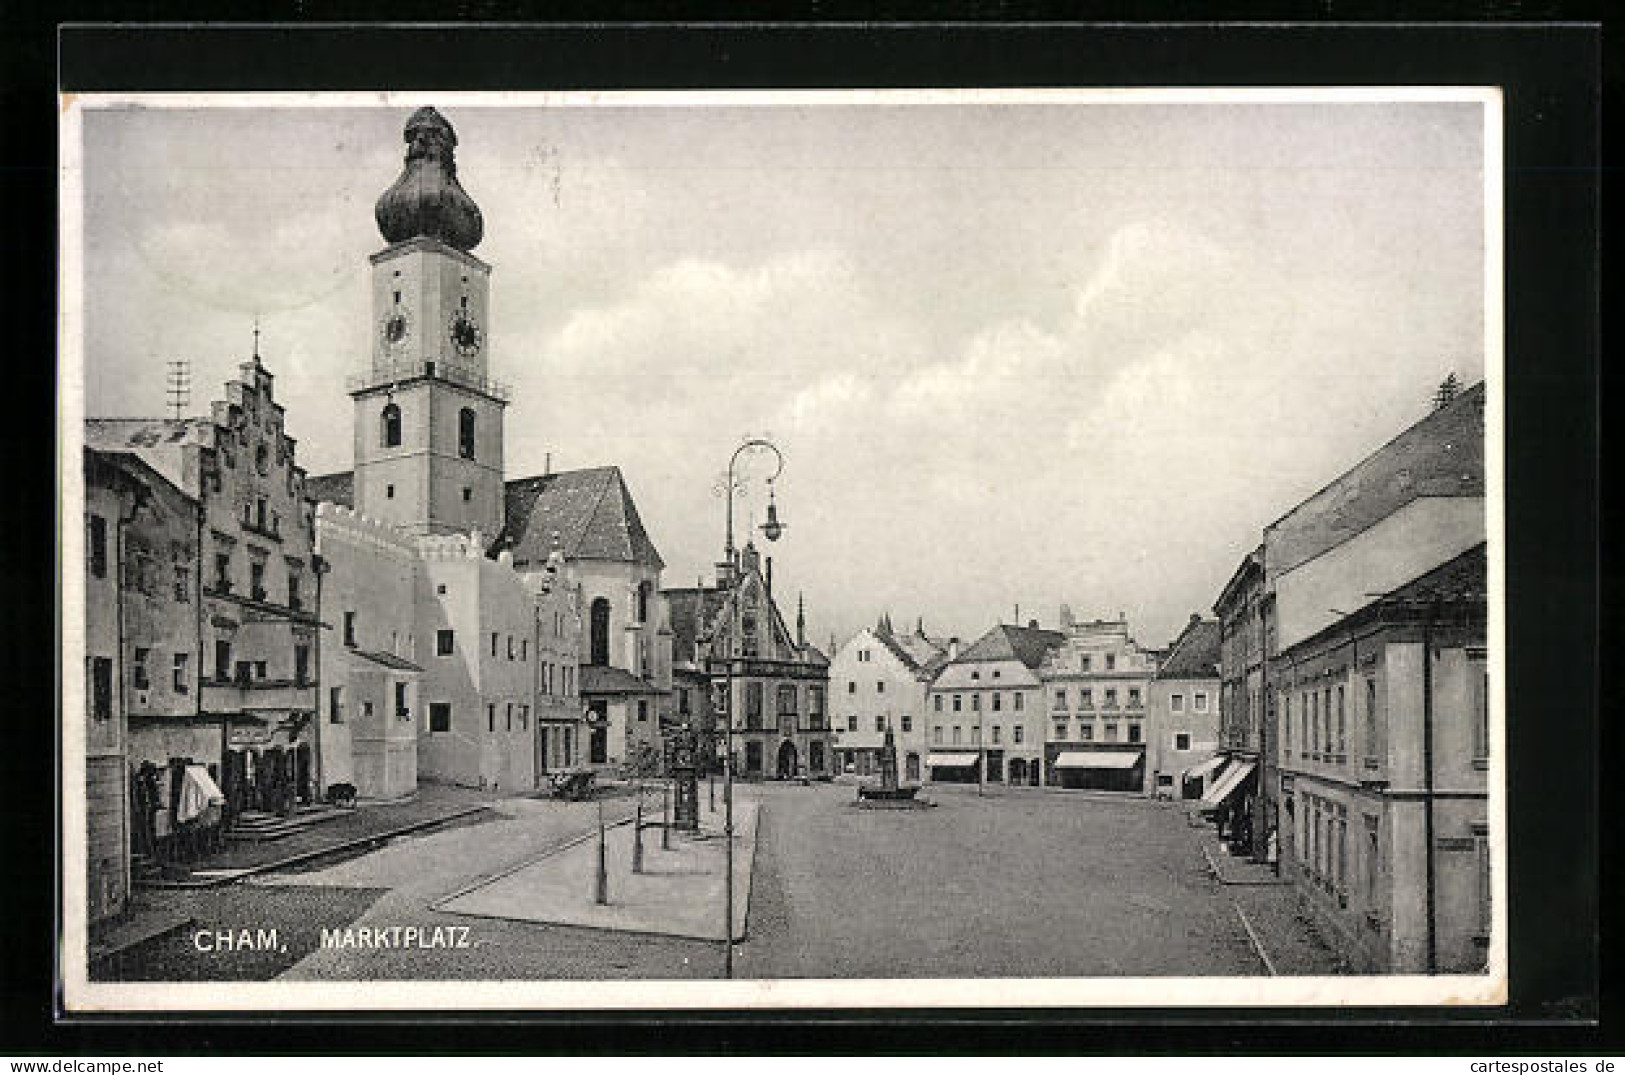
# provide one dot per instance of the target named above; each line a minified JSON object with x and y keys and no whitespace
{"x":773,"y":529}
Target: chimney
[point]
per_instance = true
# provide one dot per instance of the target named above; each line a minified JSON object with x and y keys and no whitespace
{"x":1033,"y":624}
{"x":953,"y":649}
{"x":547,"y":467}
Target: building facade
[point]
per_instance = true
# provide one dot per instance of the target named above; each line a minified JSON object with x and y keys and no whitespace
{"x":778,"y":703}
{"x":1240,"y":793}
{"x":882,"y":681}
{"x":1385,"y":747}
{"x":987,"y":710}
{"x":1182,"y":715}
{"x":1095,"y":687}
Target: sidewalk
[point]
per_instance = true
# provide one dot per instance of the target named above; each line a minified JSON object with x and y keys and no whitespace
{"x":434,"y":804}
{"x":1267,"y":904}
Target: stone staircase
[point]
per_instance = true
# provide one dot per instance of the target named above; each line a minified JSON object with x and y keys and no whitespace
{"x":256,"y":826}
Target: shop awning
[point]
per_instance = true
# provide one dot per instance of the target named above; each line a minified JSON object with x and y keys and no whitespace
{"x":1097,"y":759}
{"x":1201,"y":769}
{"x":1226,"y":785}
{"x":949,"y":761}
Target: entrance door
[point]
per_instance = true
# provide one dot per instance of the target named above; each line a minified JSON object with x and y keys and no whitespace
{"x":753,"y":758}
{"x":911,"y":767}
{"x":815,"y":756}
{"x":787,"y":760}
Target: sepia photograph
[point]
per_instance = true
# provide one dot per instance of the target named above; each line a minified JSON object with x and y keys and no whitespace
{"x":782,"y":548}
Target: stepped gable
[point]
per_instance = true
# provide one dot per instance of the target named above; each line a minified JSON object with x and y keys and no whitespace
{"x":591,"y":510}
{"x":1195,"y":654}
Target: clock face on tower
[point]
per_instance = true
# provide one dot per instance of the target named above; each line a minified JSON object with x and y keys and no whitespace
{"x":465,"y":334}
{"x":394,"y":328}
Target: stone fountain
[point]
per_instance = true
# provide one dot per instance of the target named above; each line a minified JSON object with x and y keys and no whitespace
{"x":889,"y":794}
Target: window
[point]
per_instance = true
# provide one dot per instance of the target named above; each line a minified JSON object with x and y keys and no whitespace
{"x":1182,"y":740}
{"x":1086,"y":698}
{"x":1134,"y":697}
{"x":468,"y":494}
{"x":1342,"y":728}
{"x":1111,"y":697}
{"x":439,"y":716}
{"x":1111,"y":733}
{"x":524,"y":718}
{"x":349,"y":628}
{"x":301,"y":665}
{"x":957,"y":705}
{"x":599,"y":616}
{"x":222,"y":572}
{"x":510,"y":647}
{"x":1176,"y":703}
{"x":787,"y":699}
{"x":851,"y":687}
{"x":182,"y":680}
{"x":1478,"y":700}
{"x":852,"y":723}
{"x":1201,"y":701}
{"x":1086,"y":732}
{"x":138,"y":669}
{"x":256,"y":580}
{"x":98,"y":546}
{"x":684,"y":703}
{"x":389,"y":491}
{"x":936,"y":735}
{"x":1060,"y":731}
{"x":183,"y":584}
{"x":753,"y":703}
{"x":1134,"y":733}
{"x":976,"y":734}
{"x":1111,"y":661}
{"x":997,"y":732}
{"x":1373,"y":859}
{"x":495,"y":638}
{"x":1314,"y":722}
{"x":259,"y":669}
{"x":644,"y":590}
{"x":1015,"y":735}
{"x":998,"y":701}
{"x":1485,"y":890}
{"x":880,"y":686}
{"x":1286,"y":722}
{"x":936,"y":702}
{"x":222,"y":659}
{"x":815,"y":705}
{"x":507,"y":715}
{"x":1060,"y":699}
{"x":1020,"y":698}
{"x":389,"y":433}
{"x":908,"y":723}
{"x":465,"y":433}
{"x":445,"y":643}
{"x":491,"y":717}
{"x":1373,"y":744}
{"x":976,"y":703}
{"x":880,"y":724}
{"x":101,"y":688}
{"x":335,"y":705}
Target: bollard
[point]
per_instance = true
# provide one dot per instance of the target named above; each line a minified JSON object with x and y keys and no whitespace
{"x":601,"y":893}
{"x":637,"y":836}
{"x":665,"y":818}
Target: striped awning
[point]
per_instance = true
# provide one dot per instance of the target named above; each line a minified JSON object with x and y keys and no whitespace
{"x":1222,"y":788}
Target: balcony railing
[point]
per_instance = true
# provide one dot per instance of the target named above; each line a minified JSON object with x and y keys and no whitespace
{"x":379,"y":376}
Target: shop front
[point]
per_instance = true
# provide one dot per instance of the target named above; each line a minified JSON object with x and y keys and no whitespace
{"x":1098,"y":770}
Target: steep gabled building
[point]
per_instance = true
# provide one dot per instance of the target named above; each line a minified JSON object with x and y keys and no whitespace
{"x":986,"y":707}
{"x":1182,"y":714}
{"x":881,"y":681}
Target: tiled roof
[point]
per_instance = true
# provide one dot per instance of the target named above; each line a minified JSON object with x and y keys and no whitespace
{"x":815,"y":656}
{"x":1441,"y":455}
{"x":1195,"y":655}
{"x":591,"y":510}
{"x":603,"y":679}
{"x":338,"y":488}
{"x":692,"y":610}
{"x":158,"y":442}
{"x":1008,"y":642}
{"x":917,"y":654}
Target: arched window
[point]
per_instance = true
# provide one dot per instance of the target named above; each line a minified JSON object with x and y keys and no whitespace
{"x":643,"y":601}
{"x":391,"y":426}
{"x":465,"y":433}
{"x":599,"y":643}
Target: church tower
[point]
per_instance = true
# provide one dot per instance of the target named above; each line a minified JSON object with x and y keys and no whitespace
{"x":428,"y":417}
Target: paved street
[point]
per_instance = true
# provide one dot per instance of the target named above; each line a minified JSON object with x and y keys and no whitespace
{"x":1026,"y":882}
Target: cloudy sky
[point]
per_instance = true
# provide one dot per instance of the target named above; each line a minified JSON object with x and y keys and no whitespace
{"x":1014,"y":354}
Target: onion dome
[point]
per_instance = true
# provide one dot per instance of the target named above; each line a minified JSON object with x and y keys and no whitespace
{"x":427,"y":200}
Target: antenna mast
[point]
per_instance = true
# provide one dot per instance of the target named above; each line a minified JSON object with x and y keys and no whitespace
{"x":178,"y":385}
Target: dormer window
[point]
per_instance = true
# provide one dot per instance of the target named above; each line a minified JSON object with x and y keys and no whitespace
{"x":390,"y":434}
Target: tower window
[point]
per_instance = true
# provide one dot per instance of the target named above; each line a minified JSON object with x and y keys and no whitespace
{"x":465,"y":433}
{"x":391,"y":431}
{"x":468,"y":494}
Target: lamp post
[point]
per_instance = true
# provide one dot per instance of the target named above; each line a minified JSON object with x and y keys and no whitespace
{"x":773,"y":529}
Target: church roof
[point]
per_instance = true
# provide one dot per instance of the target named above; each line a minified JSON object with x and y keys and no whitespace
{"x":1007,"y":642}
{"x":591,"y":510}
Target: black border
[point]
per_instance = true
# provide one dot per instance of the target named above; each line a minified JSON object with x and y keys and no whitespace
{"x":1552,"y":78}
